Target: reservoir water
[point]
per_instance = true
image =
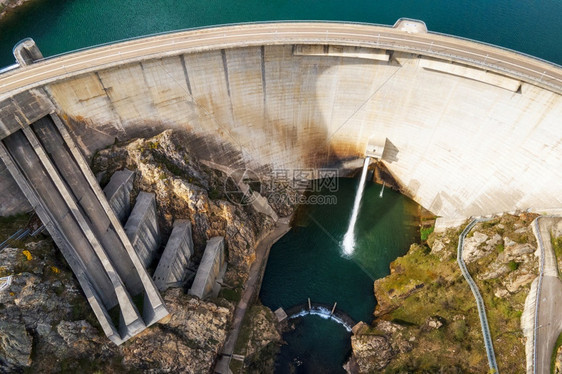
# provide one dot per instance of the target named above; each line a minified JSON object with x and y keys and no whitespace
{"x":309,"y":262}
{"x":60,"y":25}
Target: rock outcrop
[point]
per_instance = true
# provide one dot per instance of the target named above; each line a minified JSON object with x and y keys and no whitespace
{"x":186,"y":189}
{"x":259,"y":341}
{"x":8,"y":5}
{"x":188,"y":343}
{"x":371,"y":352}
{"x":558,"y":361}
{"x":46,"y":325}
{"x":15,"y":345}
{"x":43,"y":310}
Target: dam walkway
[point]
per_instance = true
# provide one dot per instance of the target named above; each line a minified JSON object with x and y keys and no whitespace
{"x":251,"y":290}
{"x":479,"y":301}
{"x":57,"y":181}
{"x":487,"y":57}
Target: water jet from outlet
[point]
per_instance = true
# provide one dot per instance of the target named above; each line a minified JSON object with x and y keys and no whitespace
{"x":349,"y":239}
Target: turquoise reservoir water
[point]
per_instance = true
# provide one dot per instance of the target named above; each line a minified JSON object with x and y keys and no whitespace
{"x":309,"y":262}
{"x":59,"y":26}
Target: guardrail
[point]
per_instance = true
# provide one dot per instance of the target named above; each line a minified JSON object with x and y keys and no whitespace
{"x":9,"y":68}
{"x":512,"y":67}
{"x":479,"y":301}
{"x":437,"y":50}
{"x":20,"y":235}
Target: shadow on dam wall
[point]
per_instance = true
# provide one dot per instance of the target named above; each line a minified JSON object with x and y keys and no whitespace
{"x":222,"y":147}
{"x":223,"y":144}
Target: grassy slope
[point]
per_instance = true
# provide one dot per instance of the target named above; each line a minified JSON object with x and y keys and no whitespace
{"x":458,"y":345}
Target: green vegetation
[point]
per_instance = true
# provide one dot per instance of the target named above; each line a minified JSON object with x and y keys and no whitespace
{"x":81,"y":310}
{"x":231,"y":294}
{"x":553,"y":358}
{"x":172,"y":168}
{"x":9,"y":225}
{"x":423,"y":285}
{"x":72,"y":365}
{"x":258,"y":359}
{"x":513,"y":265}
{"x":425,"y":231}
{"x":557,"y":247}
{"x":214,"y":193}
{"x":245,"y":331}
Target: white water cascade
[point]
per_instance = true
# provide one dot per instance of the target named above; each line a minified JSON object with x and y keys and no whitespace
{"x":323,"y":313}
{"x":349,"y":239}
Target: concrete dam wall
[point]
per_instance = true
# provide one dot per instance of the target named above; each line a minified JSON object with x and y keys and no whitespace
{"x":460,"y":139}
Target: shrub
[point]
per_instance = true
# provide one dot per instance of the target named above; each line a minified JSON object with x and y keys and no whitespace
{"x":459,"y":330}
{"x":513,"y":265}
{"x":425,"y":231}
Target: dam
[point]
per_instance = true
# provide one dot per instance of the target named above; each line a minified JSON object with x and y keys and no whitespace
{"x":468,"y":129}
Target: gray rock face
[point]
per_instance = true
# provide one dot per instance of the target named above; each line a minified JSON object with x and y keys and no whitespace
{"x":471,"y":251}
{"x":186,"y":189}
{"x":15,"y":347}
{"x":516,"y":252}
{"x":371,"y":352}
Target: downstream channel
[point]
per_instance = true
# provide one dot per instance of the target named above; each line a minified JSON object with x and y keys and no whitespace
{"x":309,"y":262}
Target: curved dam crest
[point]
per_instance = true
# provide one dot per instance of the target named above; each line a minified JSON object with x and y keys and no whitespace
{"x":461,"y":140}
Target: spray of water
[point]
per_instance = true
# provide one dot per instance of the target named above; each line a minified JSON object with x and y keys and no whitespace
{"x":323,"y":313}
{"x":349,"y":239}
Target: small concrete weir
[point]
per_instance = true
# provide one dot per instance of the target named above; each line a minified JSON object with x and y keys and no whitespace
{"x":349,"y":239}
{"x":324,"y":311}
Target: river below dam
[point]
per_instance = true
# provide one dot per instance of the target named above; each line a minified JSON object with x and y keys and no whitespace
{"x":309,"y":262}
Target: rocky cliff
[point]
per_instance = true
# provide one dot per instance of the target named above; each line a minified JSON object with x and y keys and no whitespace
{"x":426,"y":316}
{"x":186,"y":189}
{"x":259,"y":342}
{"x":46,"y":324}
{"x":8,"y":5}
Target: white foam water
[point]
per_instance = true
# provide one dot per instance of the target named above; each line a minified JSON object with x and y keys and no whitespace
{"x":322,"y":313}
{"x":349,"y":238}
